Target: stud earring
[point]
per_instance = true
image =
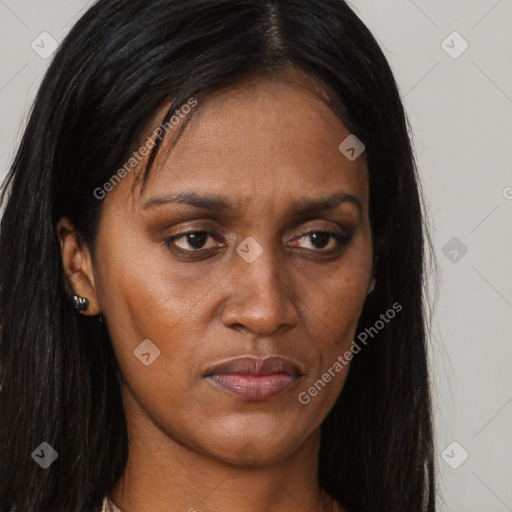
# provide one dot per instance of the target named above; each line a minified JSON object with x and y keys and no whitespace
{"x":80,"y":303}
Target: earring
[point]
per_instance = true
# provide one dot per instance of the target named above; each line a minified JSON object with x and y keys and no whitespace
{"x":372,"y":287}
{"x":80,"y":303}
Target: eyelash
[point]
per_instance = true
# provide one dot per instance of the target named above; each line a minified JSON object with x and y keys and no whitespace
{"x":342,"y":241}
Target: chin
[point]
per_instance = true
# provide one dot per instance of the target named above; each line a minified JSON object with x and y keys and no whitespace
{"x":256,"y":448}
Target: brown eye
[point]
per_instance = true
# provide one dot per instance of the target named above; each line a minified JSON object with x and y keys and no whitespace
{"x":192,"y":241}
{"x":320,"y":240}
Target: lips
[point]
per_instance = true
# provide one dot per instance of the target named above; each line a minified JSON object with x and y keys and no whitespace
{"x":253,"y":378}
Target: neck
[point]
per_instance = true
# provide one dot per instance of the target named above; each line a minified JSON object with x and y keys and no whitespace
{"x":163,"y":475}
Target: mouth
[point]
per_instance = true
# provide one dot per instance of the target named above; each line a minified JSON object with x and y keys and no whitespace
{"x":253,"y":378}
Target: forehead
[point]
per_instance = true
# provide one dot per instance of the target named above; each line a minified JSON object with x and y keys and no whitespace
{"x":265,"y":141}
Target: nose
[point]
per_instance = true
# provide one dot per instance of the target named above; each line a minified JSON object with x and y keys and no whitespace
{"x":262,"y":298}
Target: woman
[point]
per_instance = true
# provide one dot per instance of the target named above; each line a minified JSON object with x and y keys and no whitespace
{"x":212,"y":269}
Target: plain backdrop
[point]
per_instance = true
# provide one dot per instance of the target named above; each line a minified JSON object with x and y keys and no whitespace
{"x":453,"y":62}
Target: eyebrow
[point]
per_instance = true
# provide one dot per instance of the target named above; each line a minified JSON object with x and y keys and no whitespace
{"x":221,"y":203}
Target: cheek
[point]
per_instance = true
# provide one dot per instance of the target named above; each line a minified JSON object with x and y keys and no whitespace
{"x":332,"y":327}
{"x":145,"y":300}
{"x":147,"y":295}
{"x":333,"y":313}
{"x":143,"y":289}
{"x":334,"y":309}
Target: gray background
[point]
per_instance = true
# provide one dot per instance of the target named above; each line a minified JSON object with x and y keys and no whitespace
{"x":460,"y":109}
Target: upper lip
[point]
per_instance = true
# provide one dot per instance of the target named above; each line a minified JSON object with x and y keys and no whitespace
{"x":256,"y":366}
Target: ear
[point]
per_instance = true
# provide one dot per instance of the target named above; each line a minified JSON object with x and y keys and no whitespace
{"x":77,"y":263}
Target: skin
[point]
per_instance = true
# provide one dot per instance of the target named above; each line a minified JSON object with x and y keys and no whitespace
{"x":194,"y":446}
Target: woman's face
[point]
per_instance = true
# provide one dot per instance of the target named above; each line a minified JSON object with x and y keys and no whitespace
{"x":262,"y":278}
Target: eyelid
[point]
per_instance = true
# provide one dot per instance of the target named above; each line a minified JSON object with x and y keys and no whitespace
{"x":342,"y":230}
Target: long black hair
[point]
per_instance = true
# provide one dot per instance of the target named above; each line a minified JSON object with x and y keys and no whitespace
{"x":118,"y":66}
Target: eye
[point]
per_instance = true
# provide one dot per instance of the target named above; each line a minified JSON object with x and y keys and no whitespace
{"x":191,"y":241}
{"x":321,"y":240}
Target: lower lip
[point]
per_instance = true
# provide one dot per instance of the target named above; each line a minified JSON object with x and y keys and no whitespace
{"x":254,"y":387}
